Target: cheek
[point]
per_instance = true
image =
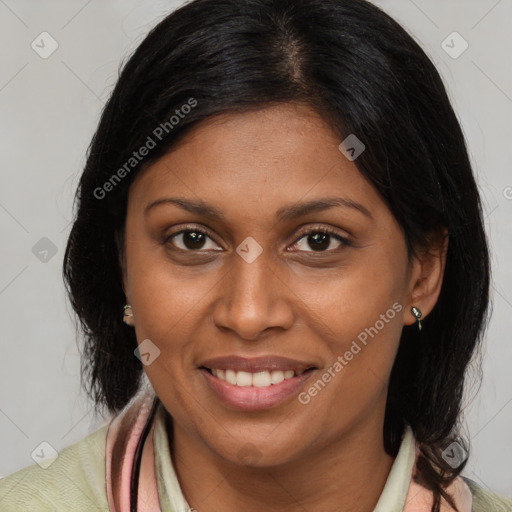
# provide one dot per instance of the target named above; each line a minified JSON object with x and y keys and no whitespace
{"x":164,"y":296}
{"x":166,"y":308}
{"x":345,"y":301}
{"x":358,"y":314}
{"x":373,"y":315}
{"x":362,"y":348}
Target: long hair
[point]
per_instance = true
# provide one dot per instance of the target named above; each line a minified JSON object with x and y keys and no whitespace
{"x":364,"y":74}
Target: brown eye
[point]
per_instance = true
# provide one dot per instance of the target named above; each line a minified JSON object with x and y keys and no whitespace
{"x":320,"y":240}
{"x":191,"y":240}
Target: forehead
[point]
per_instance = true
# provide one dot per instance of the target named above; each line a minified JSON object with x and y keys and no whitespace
{"x":255,"y":160}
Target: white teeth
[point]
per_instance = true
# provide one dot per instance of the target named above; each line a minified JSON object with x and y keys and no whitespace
{"x":276,"y":377}
{"x":288,"y":374}
{"x":243,"y":379}
{"x":230,"y":376}
{"x":261,"y":380}
{"x":257,"y":380}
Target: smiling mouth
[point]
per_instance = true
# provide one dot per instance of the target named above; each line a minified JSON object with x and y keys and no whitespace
{"x":261,"y":379}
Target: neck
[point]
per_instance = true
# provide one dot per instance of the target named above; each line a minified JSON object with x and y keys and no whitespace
{"x":347,"y":475}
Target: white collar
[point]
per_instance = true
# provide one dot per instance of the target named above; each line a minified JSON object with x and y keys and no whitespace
{"x":394,"y":494}
{"x":171,"y":497}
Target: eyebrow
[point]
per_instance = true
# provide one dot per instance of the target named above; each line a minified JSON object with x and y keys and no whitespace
{"x":285,"y":213}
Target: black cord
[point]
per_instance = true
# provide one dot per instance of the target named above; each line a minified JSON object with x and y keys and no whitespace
{"x":134,"y":484}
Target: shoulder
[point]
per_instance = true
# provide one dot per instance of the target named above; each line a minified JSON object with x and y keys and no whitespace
{"x":74,"y":481}
{"x":487,"y":501}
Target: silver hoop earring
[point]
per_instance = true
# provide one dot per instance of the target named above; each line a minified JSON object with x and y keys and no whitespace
{"x":417,"y":314}
{"x":128,"y":315}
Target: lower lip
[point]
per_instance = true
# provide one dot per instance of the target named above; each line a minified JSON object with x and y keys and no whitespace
{"x":250,"y":398}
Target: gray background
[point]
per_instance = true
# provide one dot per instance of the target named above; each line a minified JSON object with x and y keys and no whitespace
{"x":49,"y":109}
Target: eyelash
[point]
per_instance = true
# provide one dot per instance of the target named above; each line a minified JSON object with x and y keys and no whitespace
{"x":310,"y":231}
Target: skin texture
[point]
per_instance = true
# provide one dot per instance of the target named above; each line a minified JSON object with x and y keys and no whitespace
{"x":290,"y":301}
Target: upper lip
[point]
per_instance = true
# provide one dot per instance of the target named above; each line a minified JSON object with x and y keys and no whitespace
{"x":256,"y":364}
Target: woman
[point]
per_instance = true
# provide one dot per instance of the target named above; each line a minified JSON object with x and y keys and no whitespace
{"x":279,"y":265}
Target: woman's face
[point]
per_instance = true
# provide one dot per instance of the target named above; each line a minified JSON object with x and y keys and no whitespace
{"x":262,"y":283}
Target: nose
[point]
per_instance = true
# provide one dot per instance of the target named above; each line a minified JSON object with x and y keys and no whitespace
{"x":253,"y":298}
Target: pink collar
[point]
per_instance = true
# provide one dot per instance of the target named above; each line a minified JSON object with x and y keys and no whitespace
{"x":123,"y":436}
{"x":420,"y":499}
{"x":126,"y":430}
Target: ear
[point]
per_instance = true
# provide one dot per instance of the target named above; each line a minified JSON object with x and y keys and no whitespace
{"x":426,"y":276}
{"x":121,"y":259}
{"x":124,"y":277}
